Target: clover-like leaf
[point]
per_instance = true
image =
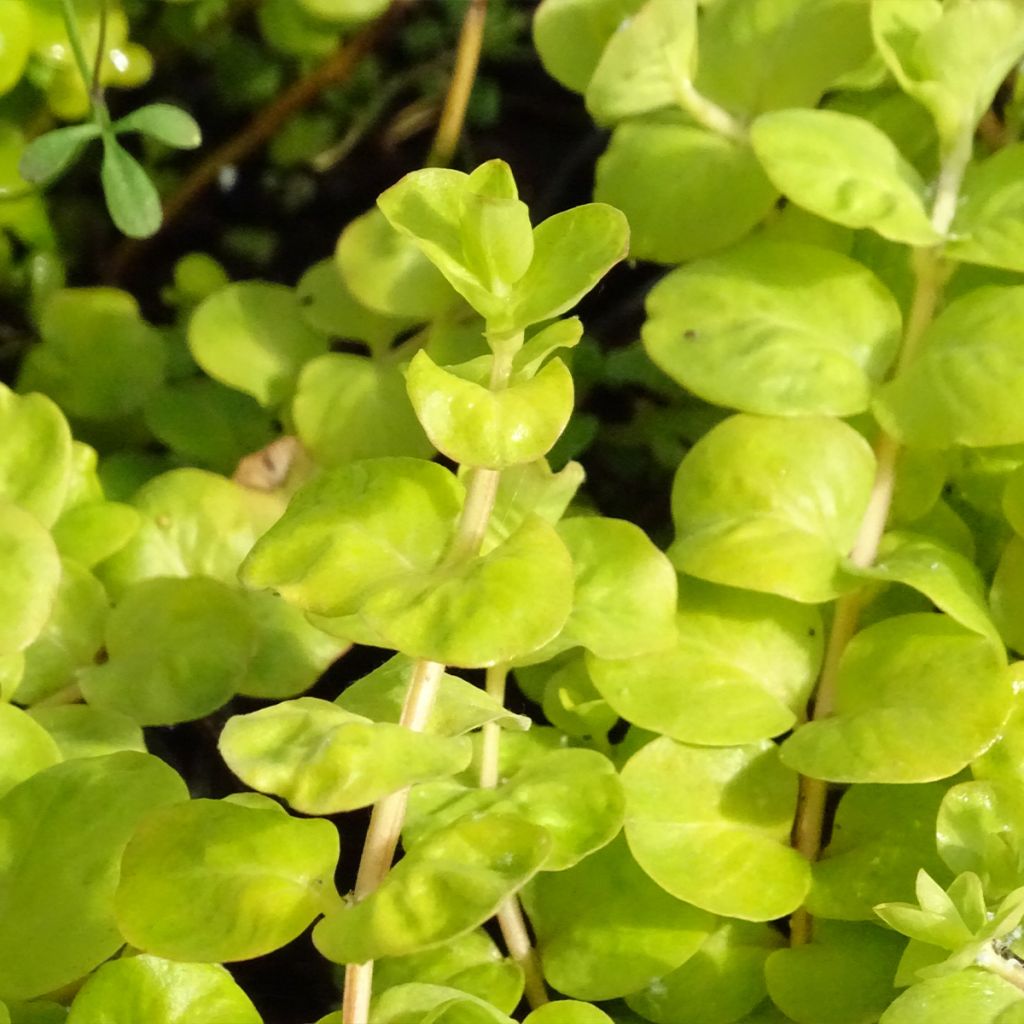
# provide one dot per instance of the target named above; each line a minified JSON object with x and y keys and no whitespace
{"x":845,"y":169}
{"x":131,"y":196}
{"x":772,"y":504}
{"x":66,"y":829}
{"x":598,"y":941}
{"x":450,"y":884}
{"x":48,"y":155}
{"x":721,"y":841}
{"x":901,"y":713}
{"x":741,"y":669}
{"x":323,"y":759}
{"x":211,"y":881}
{"x":164,"y":122}
{"x":774,"y":328}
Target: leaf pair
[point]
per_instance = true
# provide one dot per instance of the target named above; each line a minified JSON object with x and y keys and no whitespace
{"x":131,"y":196}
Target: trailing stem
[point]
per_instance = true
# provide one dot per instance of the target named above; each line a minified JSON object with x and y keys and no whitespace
{"x":930,"y":275}
{"x":388,"y":815}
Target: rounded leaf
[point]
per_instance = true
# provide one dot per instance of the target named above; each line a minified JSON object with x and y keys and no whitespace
{"x":146,"y":988}
{"x":30,"y":578}
{"x":721,"y":841}
{"x":211,"y":881}
{"x":741,"y":669}
{"x":476,"y":426}
{"x":27,"y":747}
{"x":774,"y":328}
{"x":901,"y":713}
{"x":15,"y":42}
{"x":565,"y":1011}
{"x":83,"y":731}
{"x":65,"y":830}
{"x":973,"y":995}
{"x":772,"y":504}
{"x":251,"y":336}
{"x":323,"y":759}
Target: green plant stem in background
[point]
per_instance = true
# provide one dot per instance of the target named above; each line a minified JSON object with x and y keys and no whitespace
{"x":389,"y":814}
{"x":931,"y":272}
{"x":707,"y":113}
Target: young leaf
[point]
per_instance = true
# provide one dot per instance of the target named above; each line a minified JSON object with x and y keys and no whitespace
{"x":132,"y":198}
{"x":901,"y":712}
{"x":450,"y":884}
{"x":159,"y":991}
{"x":251,"y":336}
{"x":48,"y":155}
{"x":846,"y":170}
{"x":161,"y":121}
{"x":740,"y":671}
{"x":438,"y":1004}
{"x":66,"y":829}
{"x":28,"y":748}
{"x":772,"y":504}
{"x":30,"y":578}
{"x":324,"y":760}
{"x":598,"y":942}
{"x":973,"y":995}
{"x":90,"y":533}
{"x":212,"y":881}
{"x":692,"y":840}
{"x":774,"y":328}
{"x":476,"y":426}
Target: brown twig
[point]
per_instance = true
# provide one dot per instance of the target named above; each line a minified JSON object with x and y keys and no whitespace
{"x":263,"y":126}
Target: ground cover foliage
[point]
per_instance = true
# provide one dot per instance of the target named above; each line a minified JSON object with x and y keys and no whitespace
{"x":382,"y":643}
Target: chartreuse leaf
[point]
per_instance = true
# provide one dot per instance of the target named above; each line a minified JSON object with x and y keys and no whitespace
{"x":65,"y":830}
{"x":774,"y":328}
{"x":354,"y":527}
{"x":981,"y":829}
{"x":973,"y":995}
{"x":92,"y":532}
{"x":386,"y":272}
{"x":99,"y":359}
{"x":194,"y":523}
{"x":323,"y":759}
{"x":645,"y":62}
{"x":213,"y":881}
{"x":1011,"y":486}
{"x":11,"y":668}
{"x":948,"y":579}
{"x":721,"y":841}
{"x":772,"y":504}
{"x":471,"y":963}
{"x":844,"y":169}
{"x":843,"y":976}
{"x":881,"y":837}
{"x":164,"y":122}
{"x":476,"y":426}
{"x":434,"y":1004}
{"x":131,"y":196}
{"x":625,"y":591}
{"x":964,"y":386}
{"x":950,"y":58}
{"x":574,"y":794}
{"x":531,"y":488}
{"x":1004,"y":760}
{"x":458,"y":708}
{"x":35,"y":458}
{"x":721,"y":982}
{"x":724,"y":195}
{"x":15,"y":42}
{"x":599,"y":941}
{"x":146,"y":988}
{"x":571,"y":703}
{"x":987,"y":225}
{"x":1007,"y":595}
{"x":901,"y":713}
{"x":471,"y":614}
{"x":448,"y":885}
{"x":348,"y":407}
{"x":290,"y":653}
{"x":30,"y":578}
{"x":71,"y":637}
{"x":162,"y":667}
{"x":741,"y":669}
{"x":28,"y":748}
{"x":565,"y":1011}
{"x":570,"y":35}
{"x":83,"y":731}
{"x":251,"y":336}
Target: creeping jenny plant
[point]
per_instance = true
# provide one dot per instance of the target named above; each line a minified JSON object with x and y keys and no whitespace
{"x":782,"y":775}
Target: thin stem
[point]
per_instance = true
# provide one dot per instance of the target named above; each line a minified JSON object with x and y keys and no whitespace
{"x":930,"y":275}
{"x":490,"y":750}
{"x":388,"y":814}
{"x":467,"y":60}
{"x":1009,"y":970}
{"x":96,"y":84}
{"x":707,"y":113}
{"x":75,"y":39}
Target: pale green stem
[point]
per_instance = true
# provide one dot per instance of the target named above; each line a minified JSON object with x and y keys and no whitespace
{"x":930,"y":275}
{"x":388,"y":815}
{"x":509,"y":914}
{"x":707,"y":113}
{"x":1008,"y":970}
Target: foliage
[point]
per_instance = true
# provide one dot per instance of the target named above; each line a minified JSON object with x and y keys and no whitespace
{"x":771,"y":773}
